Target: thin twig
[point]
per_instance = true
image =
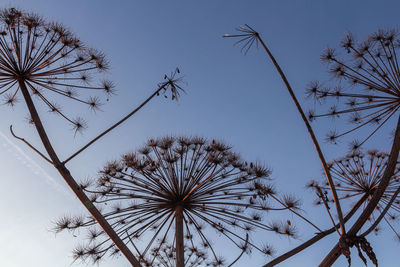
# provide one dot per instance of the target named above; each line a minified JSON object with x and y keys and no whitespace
{"x":116,"y":124}
{"x":133,"y":244}
{"x":31,"y":146}
{"x":241,"y":254}
{"x":326,"y":206}
{"x":296,"y":213}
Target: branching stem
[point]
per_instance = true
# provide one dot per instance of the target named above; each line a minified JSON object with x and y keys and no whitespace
{"x":64,"y":172}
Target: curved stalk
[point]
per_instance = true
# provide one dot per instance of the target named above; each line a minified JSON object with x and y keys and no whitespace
{"x":30,"y":146}
{"x":241,"y":254}
{"x":311,"y":132}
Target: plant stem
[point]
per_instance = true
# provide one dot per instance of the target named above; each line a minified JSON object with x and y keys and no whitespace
{"x":312,"y":135}
{"x":296,"y":213}
{"x":243,"y":251}
{"x":64,"y":172}
{"x":334,"y":254}
{"x":116,"y":124}
{"x":180,"y":257}
{"x":383,"y":213}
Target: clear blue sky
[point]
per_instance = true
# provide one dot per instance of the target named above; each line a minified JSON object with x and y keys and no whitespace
{"x":233,"y":97}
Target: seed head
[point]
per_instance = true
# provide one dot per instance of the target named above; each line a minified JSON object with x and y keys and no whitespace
{"x":358,"y":174}
{"x":208,"y":181}
{"x":48,"y":61}
{"x":247,"y":37}
{"x":370,"y":68}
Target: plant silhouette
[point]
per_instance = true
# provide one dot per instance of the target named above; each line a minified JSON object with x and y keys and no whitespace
{"x":175,"y":190}
{"x":41,"y":61}
{"x":372,"y":71}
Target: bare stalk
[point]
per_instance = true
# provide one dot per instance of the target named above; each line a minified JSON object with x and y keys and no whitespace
{"x":30,"y":146}
{"x":324,"y":200}
{"x":243,"y":251}
{"x":180,"y":257}
{"x":64,"y":172}
{"x":116,"y":124}
{"x":311,"y":132}
{"x":334,"y":254}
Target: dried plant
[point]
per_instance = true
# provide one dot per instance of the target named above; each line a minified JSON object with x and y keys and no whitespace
{"x":190,"y":183}
{"x":47,"y":61}
{"x":247,"y":37}
{"x":371,"y":99}
{"x":374,"y":69}
{"x":356,"y":178}
{"x":357,"y":175}
{"x":43,"y":61}
{"x":372,"y":73}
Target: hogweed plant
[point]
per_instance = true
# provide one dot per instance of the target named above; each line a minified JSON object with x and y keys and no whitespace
{"x":372,"y":70}
{"x":356,"y":177}
{"x":182,"y":191}
{"x":371,"y":99}
{"x":49,"y":62}
{"x":43,"y":62}
{"x":247,"y":38}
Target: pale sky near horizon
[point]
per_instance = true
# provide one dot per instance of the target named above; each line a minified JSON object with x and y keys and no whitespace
{"x":229,"y":96}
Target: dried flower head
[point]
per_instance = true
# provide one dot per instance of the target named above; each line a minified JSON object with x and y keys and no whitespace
{"x":172,"y":84}
{"x":203,"y":182}
{"x":356,"y":177}
{"x":47,"y":61}
{"x":247,"y":37}
{"x":372,"y":73}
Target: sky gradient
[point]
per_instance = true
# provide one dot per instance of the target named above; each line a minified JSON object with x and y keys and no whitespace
{"x":229,"y":96}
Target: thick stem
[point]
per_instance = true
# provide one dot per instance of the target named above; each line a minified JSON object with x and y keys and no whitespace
{"x":334,"y":254}
{"x":383,"y":213}
{"x":312,"y":135}
{"x":331,"y":257}
{"x":299,"y":248}
{"x":180,"y":257}
{"x":316,"y":238}
{"x":64,"y":172}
